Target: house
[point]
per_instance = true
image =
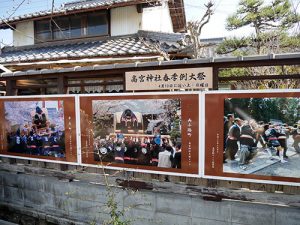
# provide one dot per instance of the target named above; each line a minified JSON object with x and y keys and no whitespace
{"x":94,"y":29}
{"x":87,"y":46}
{"x":92,"y":33}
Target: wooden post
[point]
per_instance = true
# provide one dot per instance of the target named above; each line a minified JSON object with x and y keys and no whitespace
{"x":11,"y":87}
{"x":215,"y":78}
{"x":124,"y":82}
{"x":61,"y":85}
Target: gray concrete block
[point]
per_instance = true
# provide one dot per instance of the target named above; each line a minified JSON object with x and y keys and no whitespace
{"x":77,"y":205}
{"x":5,"y":160}
{"x":198,"y":221}
{"x":118,"y":196}
{"x":211,"y":210}
{"x":146,"y":222}
{"x":33,"y":183}
{"x":72,"y":168}
{"x":38,"y":164}
{"x":51,"y":211}
{"x":140,"y":200}
{"x":12,"y":180}
{"x":168,"y":219}
{"x":1,"y":193}
{"x":238,"y":224}
{"x":252,"y":213}
{"x":21,"y":161}
{"x":61,"y":203}
{"x":1,"y":178}
{"x":13,"y":195}
{"x":56,"y":187}
{"x":87,"y":192}
{"x":174,"y":204}
{"x":138,"y":217}
{"x":89,"y":217}
{"x":287,"y":216}
{"x":50,"y":165}
{"x":2,"y":222}
{"x":37,"y":199}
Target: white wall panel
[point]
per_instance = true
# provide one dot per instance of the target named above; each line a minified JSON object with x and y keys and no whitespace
{"x":25,"y":35}
{"x":157,"y":19}
{"x":125,"y":20}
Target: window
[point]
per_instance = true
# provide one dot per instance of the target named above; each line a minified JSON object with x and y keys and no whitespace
{"x":75,"y":26}
{"x":43,"y":32}
{"x":96,"y":85}
{"x":61,"y":28}
{"x":97,"y":24}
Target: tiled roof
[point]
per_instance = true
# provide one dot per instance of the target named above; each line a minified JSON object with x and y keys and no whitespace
{"x":162,"y":64}
{"x":130,"y":45}
{"x":83,"y":4}
{"x":72,"y":7}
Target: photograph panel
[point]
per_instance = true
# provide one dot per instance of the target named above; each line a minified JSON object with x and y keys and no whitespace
{"x":35,"y":127}
{"x":143,"y":132}
{"x":253,"y":136}
{"x":262,"y":136}
{"x":39,"y":128}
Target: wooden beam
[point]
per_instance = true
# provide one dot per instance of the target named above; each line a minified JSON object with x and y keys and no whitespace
{"x":257,"y":63}
{"x":37,"y":86}
{"x":260,"y":77}
{"x":95,"y":84}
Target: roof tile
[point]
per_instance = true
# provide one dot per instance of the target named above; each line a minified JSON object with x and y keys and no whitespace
{"x":69,"y":7}
{"x":112,"y":46}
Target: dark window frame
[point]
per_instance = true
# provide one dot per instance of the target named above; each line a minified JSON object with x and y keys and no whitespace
{"x":83,"y":23}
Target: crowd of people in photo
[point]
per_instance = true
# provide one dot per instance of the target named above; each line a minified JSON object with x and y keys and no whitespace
{"x":37,"y":137}
{"x":151,"y":150}
{"x":243,"y":139}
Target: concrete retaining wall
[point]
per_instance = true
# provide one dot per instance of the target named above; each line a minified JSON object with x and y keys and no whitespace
{"x":29,"y":197}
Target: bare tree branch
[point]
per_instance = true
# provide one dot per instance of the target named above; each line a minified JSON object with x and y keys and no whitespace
{"x":195,"y":29}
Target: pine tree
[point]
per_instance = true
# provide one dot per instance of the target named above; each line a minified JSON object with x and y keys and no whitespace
{"x":270,"y":22}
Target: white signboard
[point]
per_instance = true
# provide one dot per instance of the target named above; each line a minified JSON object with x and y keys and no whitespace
{"x":188,"y":78}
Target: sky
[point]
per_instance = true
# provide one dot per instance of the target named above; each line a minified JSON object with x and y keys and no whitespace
{"x":194,"y":11}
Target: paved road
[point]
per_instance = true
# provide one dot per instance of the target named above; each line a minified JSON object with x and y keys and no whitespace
{"x":289,"y":169}
{"x":263,"y":164}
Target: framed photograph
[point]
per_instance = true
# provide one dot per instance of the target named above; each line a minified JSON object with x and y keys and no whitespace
{"x":146,"y":131}
{"x":39,"y":128}
{"x":254,"y":136}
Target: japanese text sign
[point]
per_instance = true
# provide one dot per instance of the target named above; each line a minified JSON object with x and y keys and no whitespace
{"x":189,"y":78}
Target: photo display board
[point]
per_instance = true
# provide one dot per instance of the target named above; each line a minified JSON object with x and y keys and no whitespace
{"x":253,"y":136}
{"x":158,"y":132}
{"x":42,"y":128}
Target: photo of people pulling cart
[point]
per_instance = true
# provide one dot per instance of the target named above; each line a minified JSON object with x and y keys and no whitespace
{"x":140,"y":131}
{"x":262,"y":136}
{"x":35,"y":128}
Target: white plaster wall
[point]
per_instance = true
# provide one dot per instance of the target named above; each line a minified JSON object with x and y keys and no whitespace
{"x":125,"y":20}
{"x":23,"y":37}
{"x":157,"y":19}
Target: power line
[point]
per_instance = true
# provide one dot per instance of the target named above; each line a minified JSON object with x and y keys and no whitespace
{"x":26,"y":8}
{"x":53,"y":21}
{"x":15,"y":9}
{"x":11,"y":27}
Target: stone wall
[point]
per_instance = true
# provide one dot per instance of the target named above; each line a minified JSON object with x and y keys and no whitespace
{"x":31,"y":194}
